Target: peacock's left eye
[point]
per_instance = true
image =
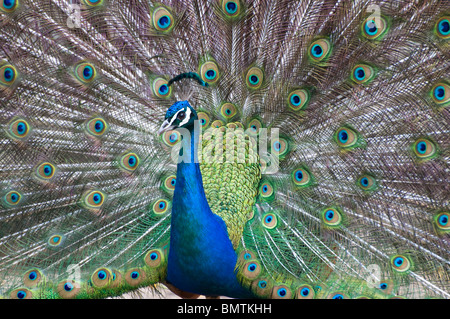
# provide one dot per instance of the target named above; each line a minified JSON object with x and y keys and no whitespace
{"x":181,"y":115}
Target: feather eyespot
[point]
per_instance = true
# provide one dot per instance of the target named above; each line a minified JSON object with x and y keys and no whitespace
{"x":362,"y":73}
{"x":134,"y":276}
{"x":332,"y":217}
{"x":281,"y":292}
{"x":170,"y":138}
{"x":32,"y":278}
{"x":440,"y":93}
{"x":254,"y":78}
{"x":96,"y":127}
{"x":161,"y":88}
{"x":301,"y":177}
{"x":45,"y":171}
{"x":21,"y":293}
{"x":9,"y":6}
{"x":101,"y":278}
{"x":367,"y":183}
{"x":55,"y":240}
{"x":228,"y":110}
{"x":203,"y":119}
{"x":130,"y":162}
{"x":19,"y":128}
{"x":443,"y":27}
{"x":169,"y":183}
{"x":154,"y":258}
{"x":93,"y":199}
{"x":85,"y":72}
{"x":298,"y":99}
{"x":319,"y":50}
{"x":12,"y":198}
{"x":68,"y":289}
{"x":231,"y":8}
{"x":424,"y":149}
{"x":269,"y":221}
{"x":217,"y":124}
{"x":163,"y":20}
{"x":161,"y":206}
{"x":346,"y":137}
{"x":209,"y":72}
{"x":8,"y":75}
{"x":266,"y":191}
{"x":400,"y":263}
{"x":337,"y":295}
{"x":246,"y":255}
{"x":442,"y":222}
{"x":93,"y":3}
{"x":280,"y":147}
{"x":374,"y":28}
{"x":305,"y":292}
{"x":251,"y":270}
{"x":254,"y":126}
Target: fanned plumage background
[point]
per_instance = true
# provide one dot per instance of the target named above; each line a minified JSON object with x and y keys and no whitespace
{"x":131,"y":57}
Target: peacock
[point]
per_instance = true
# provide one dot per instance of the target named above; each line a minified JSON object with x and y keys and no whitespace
{"x":241,"y":148}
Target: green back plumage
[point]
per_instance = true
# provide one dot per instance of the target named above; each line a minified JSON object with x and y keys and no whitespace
{"x":359,"y":91}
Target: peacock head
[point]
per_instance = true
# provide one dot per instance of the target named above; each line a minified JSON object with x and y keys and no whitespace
{"x":179,"y":115}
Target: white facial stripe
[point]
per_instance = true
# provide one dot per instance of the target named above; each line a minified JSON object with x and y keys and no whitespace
{"x":188,"y":116}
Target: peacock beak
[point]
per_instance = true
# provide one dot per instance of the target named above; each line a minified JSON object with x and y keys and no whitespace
{"x":165,"y":127}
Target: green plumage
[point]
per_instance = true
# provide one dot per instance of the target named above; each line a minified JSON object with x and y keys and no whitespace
{"x":350,"y":199}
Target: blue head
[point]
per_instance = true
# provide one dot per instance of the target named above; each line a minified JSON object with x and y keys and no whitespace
{"x":179,"y":115}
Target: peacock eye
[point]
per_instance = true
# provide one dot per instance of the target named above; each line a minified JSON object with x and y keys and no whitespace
{"x":181,"y":115}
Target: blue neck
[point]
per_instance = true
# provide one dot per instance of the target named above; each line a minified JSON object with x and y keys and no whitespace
{"x":201,"y":256}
